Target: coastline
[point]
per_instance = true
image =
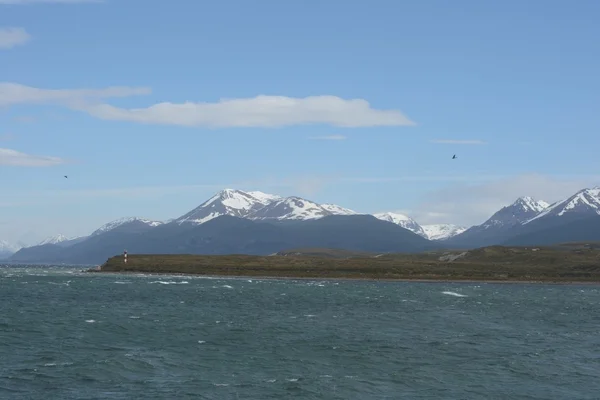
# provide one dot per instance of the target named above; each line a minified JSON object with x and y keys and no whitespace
{"x":356,"y":279}
{"x":502,"y":265}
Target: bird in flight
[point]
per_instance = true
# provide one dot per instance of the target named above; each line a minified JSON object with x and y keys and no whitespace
{"x":66,"y":177}
{"x":454,"y":156}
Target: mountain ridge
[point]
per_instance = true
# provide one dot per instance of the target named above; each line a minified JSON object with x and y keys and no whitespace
{"x":523,"y":217}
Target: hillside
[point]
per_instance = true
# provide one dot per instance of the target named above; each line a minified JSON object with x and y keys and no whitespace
{"x":232,"y":235}
{"x":566,"y":263}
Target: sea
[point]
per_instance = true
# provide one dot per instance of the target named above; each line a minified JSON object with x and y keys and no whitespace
{"x":67,"y":334}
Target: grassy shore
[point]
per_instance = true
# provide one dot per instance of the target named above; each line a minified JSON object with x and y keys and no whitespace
{"x":577,"y":262}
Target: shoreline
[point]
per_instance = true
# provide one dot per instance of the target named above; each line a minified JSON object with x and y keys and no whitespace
{"x":359,"y":279}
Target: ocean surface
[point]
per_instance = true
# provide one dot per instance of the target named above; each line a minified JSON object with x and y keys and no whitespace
{"x":65,"y":334}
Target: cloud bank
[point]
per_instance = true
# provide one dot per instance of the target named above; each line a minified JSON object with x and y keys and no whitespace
{"x":261,"y":111}
{"x":11,"y":37}
{"x":472,"y":204}
{"x":14,"y":94}
{"x":328,"y":137}
{"x":18,"y":159}
{"x":456,"y":141}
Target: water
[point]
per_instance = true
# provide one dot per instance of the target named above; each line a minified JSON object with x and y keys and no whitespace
{"x":70,"y":335}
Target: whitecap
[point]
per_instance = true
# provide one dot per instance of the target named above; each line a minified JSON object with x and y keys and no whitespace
{"x":455,"y":294}
{"x":90,"y":321}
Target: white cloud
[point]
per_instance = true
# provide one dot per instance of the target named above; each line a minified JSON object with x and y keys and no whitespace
{"x":422,"y":178}
{"x":456,"y":141}
{"x":14,"y":93}
{"x":328,"y":137}
{"x":21,"y":2}
{"x":260,"y":111}
{"x":471,"y":204}
{"x":16,"y":158}
{"x":11,"y":37}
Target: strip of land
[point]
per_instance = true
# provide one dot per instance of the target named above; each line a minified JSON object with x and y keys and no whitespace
{"x":576,"y":262}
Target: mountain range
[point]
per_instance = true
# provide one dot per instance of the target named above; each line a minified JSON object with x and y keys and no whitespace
{"x":253,"y":222}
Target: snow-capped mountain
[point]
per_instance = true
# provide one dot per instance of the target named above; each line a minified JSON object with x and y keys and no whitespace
{"x":502,"y":224}
{"x":257,"y":205}
{"x":402,"y":220}
{"x":54,"y":240}
{"x":137,"y":221}
{"x":7,"y":249}
{"x":236,"y":203}
{"x":442,"y":231}
{"x":583,"y":203}
{"x":338,"y":210}
{"x":293,"y":208}
{"x":522,"y":210}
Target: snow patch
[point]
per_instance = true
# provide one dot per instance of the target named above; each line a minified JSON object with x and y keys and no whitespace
{"x":402,"y":220}
{"x":584,"y":201}
{"x":338,"y":210}
{"x":121,"y":221}
{"x":54,"y":240}
{"x":442,"y":231}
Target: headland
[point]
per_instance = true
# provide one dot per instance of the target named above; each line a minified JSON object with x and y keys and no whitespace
{"x":565,"y":263}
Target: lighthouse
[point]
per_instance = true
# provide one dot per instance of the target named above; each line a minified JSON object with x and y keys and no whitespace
{"x":125,"y":256}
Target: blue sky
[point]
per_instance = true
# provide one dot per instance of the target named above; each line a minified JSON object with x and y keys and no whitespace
{"x":151,"y":106}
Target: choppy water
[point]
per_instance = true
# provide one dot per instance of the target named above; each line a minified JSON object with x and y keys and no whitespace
{"x":70,"y":335}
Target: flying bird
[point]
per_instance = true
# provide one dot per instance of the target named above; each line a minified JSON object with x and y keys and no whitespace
{"x":66,"y":177}
{"x":454,"y":156}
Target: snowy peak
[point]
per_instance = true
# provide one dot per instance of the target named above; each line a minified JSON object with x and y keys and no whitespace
{"x":264,"y":198}
{"x":442,"y":231}
{"x":338,"y":210}
{"x":293,"y":208}
{"x":522,"y":210}
{"x":124,"y":221}
{"x":8,"y":248}
{"x":54,"y":240}
{"x":402,"y":220}
{"x":585,"y":202}
{"x":236,"y":203}
{"x":529,"y":204}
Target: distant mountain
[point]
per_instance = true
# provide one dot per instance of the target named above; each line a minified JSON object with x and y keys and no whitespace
{"x":442,"y":231}
{"x":133,"y":224}
{"x":577,"y":230}
{"x":235,"y":203}
{"x":584,"y":203}
{"x":7,"y":249}
{"x":499,"y":226}
{"x":403,"y":221}
{"x":265,"y":214}
{"x":62,"y":240}
{"x":54,"y":240}
{"x":291,"y":208}
{"x":229,"y":235}
{"x":574,"y":218}
{"x":334,"y":209}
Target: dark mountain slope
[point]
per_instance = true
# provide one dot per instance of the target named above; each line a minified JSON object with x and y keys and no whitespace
{"x":232,"y":235}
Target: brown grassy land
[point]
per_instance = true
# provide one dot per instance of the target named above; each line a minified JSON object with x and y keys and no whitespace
{"x":574,"y":262}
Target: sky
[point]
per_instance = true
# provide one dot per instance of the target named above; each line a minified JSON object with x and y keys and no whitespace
{"x":151,"y":106}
